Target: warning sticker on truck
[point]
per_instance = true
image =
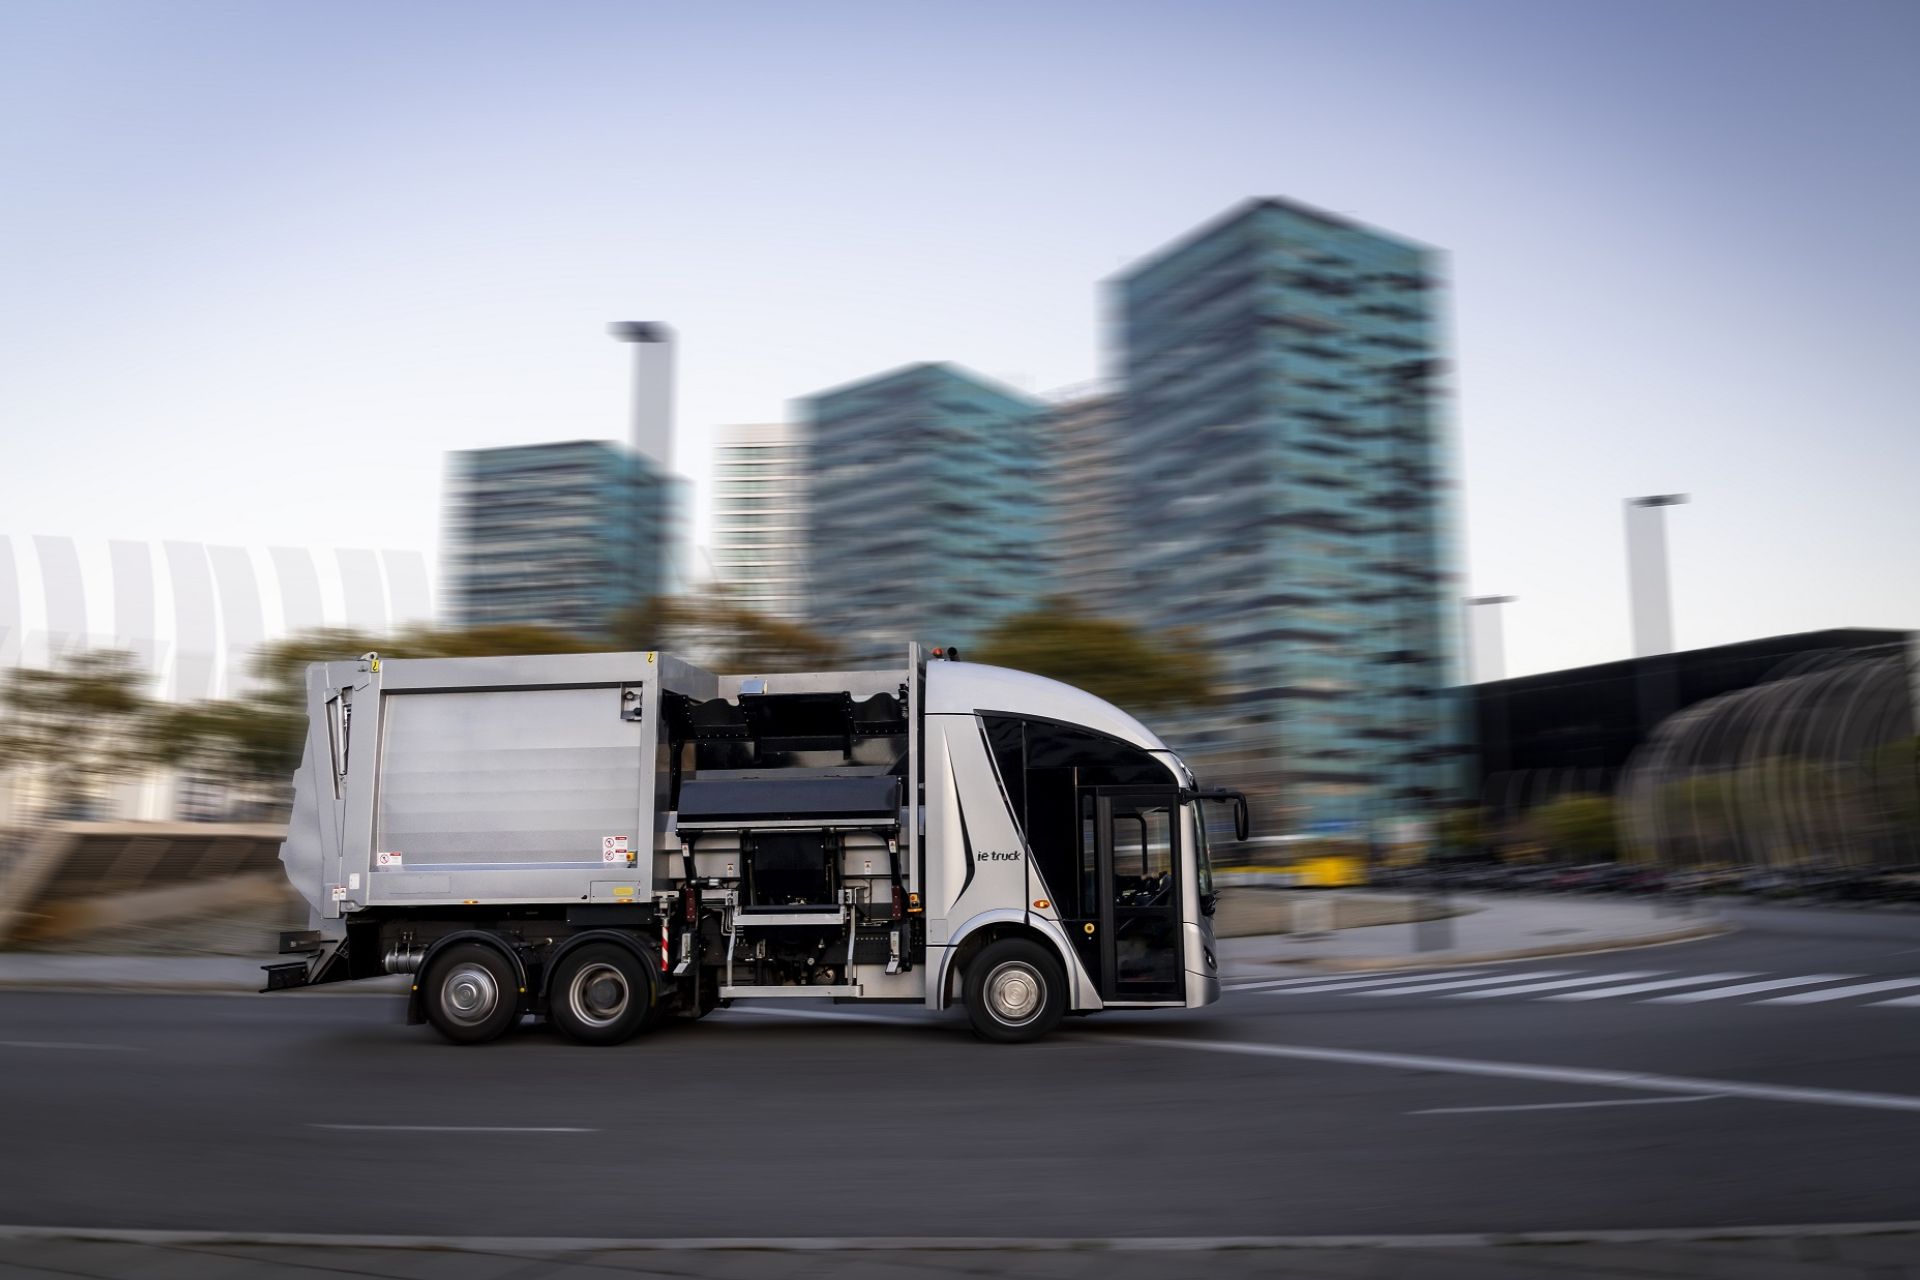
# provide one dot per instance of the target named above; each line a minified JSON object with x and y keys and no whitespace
{"x":613,"y":848}
{"x":387,"y":860}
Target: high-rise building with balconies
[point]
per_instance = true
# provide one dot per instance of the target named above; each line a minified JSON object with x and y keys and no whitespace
{"x":561,"y":535}
{"x":927,"y":509}
{"x":760,"y":518}
{"x":1287,"y":487}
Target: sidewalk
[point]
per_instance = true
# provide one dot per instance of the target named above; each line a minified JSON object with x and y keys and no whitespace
{"x":1498,"y":927}
{"x":222,"y":975}
{"x":1492,"y":927}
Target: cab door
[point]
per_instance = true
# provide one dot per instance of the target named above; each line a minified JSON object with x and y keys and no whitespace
{"x":1136,"y":847}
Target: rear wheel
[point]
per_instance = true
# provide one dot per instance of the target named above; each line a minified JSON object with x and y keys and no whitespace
{"x":601,"y":994}
{"x":1015,"y":992}
{"x":470,"y":993}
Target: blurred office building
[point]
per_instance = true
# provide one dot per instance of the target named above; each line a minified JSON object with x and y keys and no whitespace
{"x":561,"y":535}
{"x":1090,"y":532}
{"x":927,"y":514}
{"x":760,"y":519}
{"x":1286,"y":488}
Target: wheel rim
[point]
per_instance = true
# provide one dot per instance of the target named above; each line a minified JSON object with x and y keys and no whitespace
{"x":1016,"y":993}
{"x":470,"y":994}
{"x":598,"y":994}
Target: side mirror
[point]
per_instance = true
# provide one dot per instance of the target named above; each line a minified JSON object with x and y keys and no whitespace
{"x":1242,"y":818}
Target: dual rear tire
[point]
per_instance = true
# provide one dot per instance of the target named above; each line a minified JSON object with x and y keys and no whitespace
{"x":600,"y":994}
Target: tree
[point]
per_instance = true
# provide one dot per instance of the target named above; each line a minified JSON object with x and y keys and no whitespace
{"x":1107,"y":657}
{"x":249,"y":748}
{"x":75,"y":728}
{"x":1582,"y":825}
{"x":1463,"y":830}
{"x":723,"y":634}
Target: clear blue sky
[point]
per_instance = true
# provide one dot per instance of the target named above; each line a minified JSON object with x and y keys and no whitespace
{"x":265,"y":263}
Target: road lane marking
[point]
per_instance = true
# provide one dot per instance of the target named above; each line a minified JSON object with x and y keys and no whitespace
{"x":1531,"y":987}
{"x":1748,"y":988}
{"x":1357,"y":984}
{"x":1634,"y":989}
{"x":1567,"y":1106}
{"x":1841,"y":993}
{"x":1423,"y":988}
{"x":66,"y":1044}
{"x":1402,"y":976}
{"x":1599,"y":1077}
{"x":450,"y":1128}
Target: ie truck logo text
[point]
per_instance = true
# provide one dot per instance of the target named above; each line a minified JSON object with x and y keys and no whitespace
{"x":989,"y":855}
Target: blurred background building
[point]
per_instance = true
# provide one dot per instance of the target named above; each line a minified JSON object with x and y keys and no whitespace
{"x":1777,"y":752}
{"x":561,"y":535}
{"x":928,"y":509}
{"x":1286,"y":484}
{"x":760,"y":518}
{"x":1092,"y":527}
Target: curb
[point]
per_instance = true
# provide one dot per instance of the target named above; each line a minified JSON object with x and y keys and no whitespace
{"x":163,"y":987}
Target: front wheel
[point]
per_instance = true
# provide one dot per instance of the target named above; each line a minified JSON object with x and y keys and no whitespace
{"x":601,"y":994}
{"x":1015,"y":992}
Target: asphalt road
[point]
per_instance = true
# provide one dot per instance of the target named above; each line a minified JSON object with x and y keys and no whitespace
{"x":1457,"y":1103}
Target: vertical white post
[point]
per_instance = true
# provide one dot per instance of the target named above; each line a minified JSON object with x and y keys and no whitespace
{"x":1652,"y":597}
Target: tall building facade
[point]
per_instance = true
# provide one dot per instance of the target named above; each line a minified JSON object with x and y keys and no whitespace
{"x":1090,"y":532}
{"x":560,"y":535}
{"x":927,"y":512}
{"x":1287,"y":484}
{"x":760,"y":518}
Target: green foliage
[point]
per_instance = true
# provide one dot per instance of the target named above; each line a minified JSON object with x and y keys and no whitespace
{"x":723,"y":635}
{"x":1108,"y":658}
{"x":1463,"y":829}
{"x":1582,"y":825}
{"x":77,"y":727}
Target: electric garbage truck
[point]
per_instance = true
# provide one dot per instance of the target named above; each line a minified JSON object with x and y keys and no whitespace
{"x":606,"y":839}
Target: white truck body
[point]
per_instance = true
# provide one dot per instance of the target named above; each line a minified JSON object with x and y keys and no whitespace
{"x":485,"y":823}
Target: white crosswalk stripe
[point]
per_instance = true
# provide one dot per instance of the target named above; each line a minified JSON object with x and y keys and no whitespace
{"x":1423,"y":988}
{"x":1636,"y":986}
{"x":1750,"y":988}
{"x":1527,"y":989}
{"x":1663,"y":984}
{"x":1843,"y":993}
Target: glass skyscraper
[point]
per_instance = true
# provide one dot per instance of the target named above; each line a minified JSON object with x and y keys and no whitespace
{"x":1287,"y":484}
{"x":927,"y":511}
{"x":558,"y":535}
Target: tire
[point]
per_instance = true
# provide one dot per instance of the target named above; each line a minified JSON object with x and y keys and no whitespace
{"x":470,"y":993}
{"x":600,"y":994}
{"x":1015,"y":992}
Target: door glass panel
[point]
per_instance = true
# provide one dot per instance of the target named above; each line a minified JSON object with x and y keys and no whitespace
{"x":1146,"y":918}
